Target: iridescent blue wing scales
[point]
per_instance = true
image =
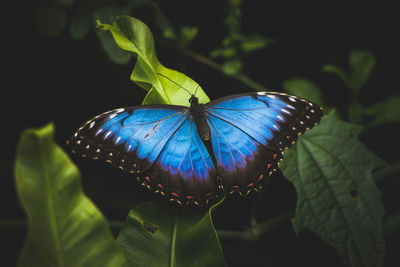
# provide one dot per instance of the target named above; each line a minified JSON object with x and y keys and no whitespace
{"x":157,"y":143}
{"x":161,"y":144}
{"x":249,"y":133}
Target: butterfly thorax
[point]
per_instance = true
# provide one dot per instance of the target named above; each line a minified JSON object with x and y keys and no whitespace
{"x":199,"y":117}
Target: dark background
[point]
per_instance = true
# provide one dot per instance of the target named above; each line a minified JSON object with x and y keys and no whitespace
{"x":65,"y":81}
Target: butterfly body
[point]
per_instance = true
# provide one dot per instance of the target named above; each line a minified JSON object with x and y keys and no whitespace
{"x":195,"y":154}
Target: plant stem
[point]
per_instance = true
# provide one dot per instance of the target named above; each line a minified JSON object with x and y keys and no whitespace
{"x":242,"y":77}
{"x":252,"y":233}
{"x":388,"y":172}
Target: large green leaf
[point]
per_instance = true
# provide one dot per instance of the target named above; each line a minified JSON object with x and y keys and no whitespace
{"x":337,"y":197}
{"x":134,"y":36}
{"x":64,"y":226}
{"x":155,"y":235}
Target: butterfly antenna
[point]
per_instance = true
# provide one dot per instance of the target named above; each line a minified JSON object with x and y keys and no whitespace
{"x":175,"y":83}
{"x":195,"y":91}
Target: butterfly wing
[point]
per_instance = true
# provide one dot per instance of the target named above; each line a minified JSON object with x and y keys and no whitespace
{"x":158,"y":143}
{"x":250,"y":131}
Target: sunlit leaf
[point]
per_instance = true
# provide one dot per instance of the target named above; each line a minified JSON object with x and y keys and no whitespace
{"x":337,"y":197}
{"x":155,"y":235}
{"x":64,"y":226}
{"x":134,"y":36}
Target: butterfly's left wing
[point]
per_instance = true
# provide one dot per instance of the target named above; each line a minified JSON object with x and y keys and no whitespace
{"x":250,"y":131}
{"x":158,"y":144}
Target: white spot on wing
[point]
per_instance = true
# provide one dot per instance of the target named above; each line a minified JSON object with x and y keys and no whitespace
{"x":107,"y":134}
{"x":91,"y":124}
{"x":261,"y":93}
{"x":285,"y":111}
{"x":99,"y":131}
{"x":275,"y":127}
{"x":290,"y":106}
{"x":112,"y":116}
{"x":292,"y":99}
{"x":280,"y":117}
{"x":118,"y":139}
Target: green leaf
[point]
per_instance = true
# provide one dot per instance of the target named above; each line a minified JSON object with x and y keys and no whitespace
{"x":155,"y":235}
{"x":361,"y":65}
{"x":50,"y":19}
{"x":107,"y":42}
{"x":188,"y":34}
{"x":232,"y":67}
{"x":385,"y":111}
{"x":337,"y":197}
{"x":224,"y":52}
{"x":134,"y":36}
{"x":329,"y":68}
{"x":251,"y":43}
{"x":64,"y":226}
{"x":304,"y":88}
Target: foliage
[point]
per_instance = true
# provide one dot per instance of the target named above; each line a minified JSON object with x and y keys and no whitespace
{"x":64,"y":227}
{"x":134,"y":36}
{"x":172,"y":237}
{"x":236,"y":45}
{"x":53,"y":17}
{"x":337,"y":197}
{"x":361,"y":64}
{"x":330,"y":169}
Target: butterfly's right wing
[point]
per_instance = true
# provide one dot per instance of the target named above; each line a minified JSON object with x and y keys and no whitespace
{"x":159,"y":144}
{"x":250,"y":131}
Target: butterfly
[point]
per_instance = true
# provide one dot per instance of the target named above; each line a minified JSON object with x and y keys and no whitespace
{"x":194,"y":155}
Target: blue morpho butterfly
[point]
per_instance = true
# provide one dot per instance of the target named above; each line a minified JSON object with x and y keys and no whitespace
{"x":196,"y":154}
